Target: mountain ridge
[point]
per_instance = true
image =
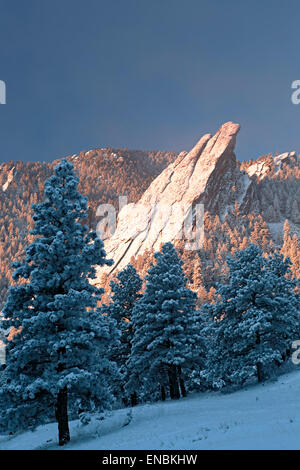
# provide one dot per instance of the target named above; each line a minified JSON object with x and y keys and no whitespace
{"x":217,"y":180}
{"x":210,"y":175}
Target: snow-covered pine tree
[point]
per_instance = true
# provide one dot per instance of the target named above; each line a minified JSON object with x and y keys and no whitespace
{"x":124,"y":294}
{"x":251,"y":329}
{"x":58,"y":352}
{"x":166,"y":344}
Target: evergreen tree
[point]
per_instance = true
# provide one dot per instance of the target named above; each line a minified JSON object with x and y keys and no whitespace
{"x":166,"y":345}
{"x":124,"y":294}
{"x":251,"y":328}
{"x":59,"y":349}
{"x":290,"y":249}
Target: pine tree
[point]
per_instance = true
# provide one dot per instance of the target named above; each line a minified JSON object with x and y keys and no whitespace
{"x":124,"y":294}
{"x":291,"y":249}
{"x":166,"y":345}
{"x":251,"y":328}
{"x":58,"y":352}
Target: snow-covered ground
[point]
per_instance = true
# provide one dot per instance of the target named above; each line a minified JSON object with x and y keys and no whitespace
{"x":259,"y":417}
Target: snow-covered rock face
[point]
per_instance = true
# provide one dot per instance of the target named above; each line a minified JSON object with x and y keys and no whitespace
{"x":263,"y":168}
{"x":207,"y":175}
{"x":10,"y":177}
{"x":285,"y":157}
{"x":260,"y":169}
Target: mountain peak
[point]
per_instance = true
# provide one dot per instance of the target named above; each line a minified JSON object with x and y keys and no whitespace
{"x":194,"y":177}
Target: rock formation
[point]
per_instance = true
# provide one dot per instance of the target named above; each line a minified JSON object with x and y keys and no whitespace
{"x":207,"y":175}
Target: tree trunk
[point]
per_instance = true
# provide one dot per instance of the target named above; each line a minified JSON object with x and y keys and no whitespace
{"x":125,"y":401}
{"x":163,"y":393}
{"x":181,"y":383}
{"x":133,"y":399}
{"x":259,"y":372}
{"x":174,"y":388}
{"x":62,"y":416}
{"x":171,"y":384}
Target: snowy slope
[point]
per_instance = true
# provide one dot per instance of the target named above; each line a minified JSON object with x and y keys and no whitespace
{"x":260,"y":417}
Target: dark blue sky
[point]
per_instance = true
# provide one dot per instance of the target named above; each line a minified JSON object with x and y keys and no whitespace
{"x":147,"y":74}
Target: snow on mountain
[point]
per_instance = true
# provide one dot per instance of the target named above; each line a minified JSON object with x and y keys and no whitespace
{"x":262,"y":168}
{"x":10,"y":177}
{"x":259,"y":417}
{"x":284,"y":157}
{"x":259,"y":169}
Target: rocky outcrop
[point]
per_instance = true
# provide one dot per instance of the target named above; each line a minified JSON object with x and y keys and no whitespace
{"x":208,"y":175}
{"x":10,"y":177}
{"x":275,"y":189}
{"x":272,"y":165}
